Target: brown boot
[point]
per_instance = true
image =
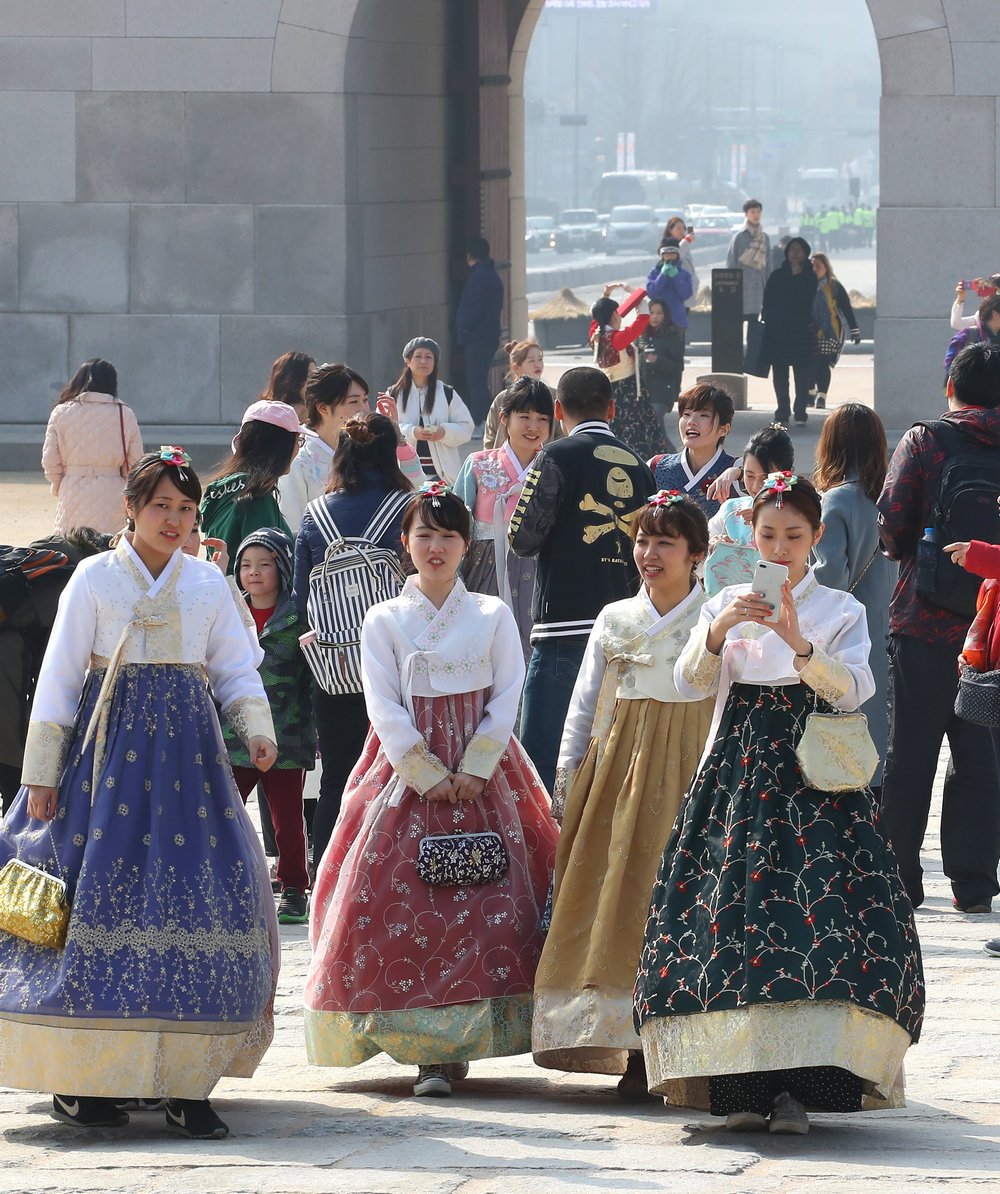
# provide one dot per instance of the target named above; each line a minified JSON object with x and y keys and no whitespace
{"x":632,"y":1088}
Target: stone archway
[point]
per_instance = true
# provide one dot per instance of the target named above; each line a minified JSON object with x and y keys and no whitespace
{"x":190,"y":190}
{"x":939,"y":171}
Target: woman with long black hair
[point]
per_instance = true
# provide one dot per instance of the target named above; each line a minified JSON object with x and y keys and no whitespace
{"x":432,"y":416}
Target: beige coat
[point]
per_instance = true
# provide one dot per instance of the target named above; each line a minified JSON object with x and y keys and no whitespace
{"x":84,"y":463}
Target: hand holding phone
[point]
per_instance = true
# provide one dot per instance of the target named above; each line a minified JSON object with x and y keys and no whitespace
{"x":768,"y":582}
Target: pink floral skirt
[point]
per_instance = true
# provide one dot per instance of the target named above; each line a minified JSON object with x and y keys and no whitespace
{"x":428,"y":974}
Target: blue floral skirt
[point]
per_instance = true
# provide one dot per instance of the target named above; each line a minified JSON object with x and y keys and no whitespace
{"x":167,"y":978}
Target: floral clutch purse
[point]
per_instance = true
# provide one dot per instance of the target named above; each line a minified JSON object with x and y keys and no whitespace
{"x":462,"y":859}
{"x":836,"y":752}
{"x":729,"y":563}
{"x":33,"y":903}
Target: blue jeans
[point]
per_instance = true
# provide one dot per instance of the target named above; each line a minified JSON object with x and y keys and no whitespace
{"x":552,"y":671}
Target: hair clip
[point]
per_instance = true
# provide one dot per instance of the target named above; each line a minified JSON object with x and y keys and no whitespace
{"x":171,"y":454}
{"x":779,"y":484}
{"x":666,"y":497}
{"x":434,"y":490}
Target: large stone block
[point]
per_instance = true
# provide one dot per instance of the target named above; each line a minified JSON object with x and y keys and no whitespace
{"x":44,"y":63}
{"x":251,"y":344}
{"x":409,"y":22}
{"x":972,"y":20}
{"x":182,"y":64}
{"x":8,"y":257}
{"x":130,"y":147}
{"x":917,"y":64}
{"x":921,"y":255}
{"x":321,"y":15}
{"x":382,"y":172}
{"x":62,"y":18}
{"x":192,"y":259}
{"x":168,"y":365}
{"x":892,"y":19}
{"x":908,"y":371}
{"x":74,"y":256}
{"x":977,"y":66}
{"x":398,"y":229}
{"x":299,"y":260}
{"x":202,"y":18}
{"x":404,"y":281}
{"x":265,"y":149}
{"x":35,"y":365}
{"x":393,"y":66}
{"x":401,"y":121}
{"x":37,"y":145}
{"x":925,"y":158}
{"x":306,"y":60}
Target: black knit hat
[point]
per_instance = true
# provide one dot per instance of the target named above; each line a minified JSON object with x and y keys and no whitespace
{"x":278,"y":544}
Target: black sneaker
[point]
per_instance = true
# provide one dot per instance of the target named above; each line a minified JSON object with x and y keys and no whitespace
{"x":992,"y":947}
{"x":195,"y":1119}
{"x":293,"y":907}
{"x":142,"y":1104}
{"x":88,"y":1112}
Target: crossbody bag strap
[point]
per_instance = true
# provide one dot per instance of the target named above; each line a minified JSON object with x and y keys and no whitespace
{"x":861,"y":575}
{"x":121,"y":428}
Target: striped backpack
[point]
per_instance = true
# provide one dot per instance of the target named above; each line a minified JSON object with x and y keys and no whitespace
{"x":355,"y":574}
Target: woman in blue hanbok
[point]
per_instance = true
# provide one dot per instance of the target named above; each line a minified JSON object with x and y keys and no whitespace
{"x":167,"y":978}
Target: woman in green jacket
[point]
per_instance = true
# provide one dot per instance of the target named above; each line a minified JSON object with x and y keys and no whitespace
{"x":241,"y":496}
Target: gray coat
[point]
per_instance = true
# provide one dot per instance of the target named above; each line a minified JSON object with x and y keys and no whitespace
{"x":849,"y":542}
{"x":688,"y":263}
{"x":754,"y":280}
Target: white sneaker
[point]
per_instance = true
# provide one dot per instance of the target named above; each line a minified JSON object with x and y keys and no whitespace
{"x":432,"y":1082}
{"x":789,"y":1116}
{"x":745,"y":1121}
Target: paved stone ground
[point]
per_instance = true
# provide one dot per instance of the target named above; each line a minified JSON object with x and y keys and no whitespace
{"x":514,"y":1129}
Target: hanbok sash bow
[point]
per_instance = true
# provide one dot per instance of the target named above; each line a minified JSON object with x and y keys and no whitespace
{"x":604,"y":713}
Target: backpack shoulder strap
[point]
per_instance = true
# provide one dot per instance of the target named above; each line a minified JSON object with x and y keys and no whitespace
{"x":384,"y":515}
{"x":323,"y":519}
{"x":948,"y":436}
{"x":449,"y":392}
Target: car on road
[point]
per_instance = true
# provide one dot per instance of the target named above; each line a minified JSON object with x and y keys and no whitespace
{"x":715,"y":230}
{"x":632,"y":228}
{"x":538,"y":232}
{"x":578,"y":228}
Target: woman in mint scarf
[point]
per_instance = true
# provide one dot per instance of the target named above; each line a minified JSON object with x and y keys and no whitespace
{"x":834,"y":320}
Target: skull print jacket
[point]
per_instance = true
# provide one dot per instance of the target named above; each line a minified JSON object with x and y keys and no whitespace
{"x":578,"y":502}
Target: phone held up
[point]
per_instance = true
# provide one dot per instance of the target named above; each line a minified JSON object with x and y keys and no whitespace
{"x":768,"y":581}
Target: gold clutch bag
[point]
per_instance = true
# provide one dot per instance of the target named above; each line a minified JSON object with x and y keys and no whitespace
{"x":836,"y":753}
{"x":33,"y":904}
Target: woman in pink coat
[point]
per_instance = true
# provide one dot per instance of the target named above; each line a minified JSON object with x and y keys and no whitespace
{"x":91,"y":442}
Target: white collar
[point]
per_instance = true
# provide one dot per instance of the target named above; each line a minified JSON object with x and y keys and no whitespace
{"x":692,"y":479}
{"x":157,"y":583}
{"x":519,"y":472}
{"x":661,"y":621}
{"x":595,"y":426}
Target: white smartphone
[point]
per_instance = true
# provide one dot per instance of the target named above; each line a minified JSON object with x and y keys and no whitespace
{"x":768,"y":581}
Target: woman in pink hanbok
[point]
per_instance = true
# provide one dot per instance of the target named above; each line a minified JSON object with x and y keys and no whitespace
{"x":434,"y":975}
{"x":490,"y":483}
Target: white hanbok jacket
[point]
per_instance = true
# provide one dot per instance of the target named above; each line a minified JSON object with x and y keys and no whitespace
{"x":833,"y":621}
{"x":410,"y":648}
{"x":113,"y":612}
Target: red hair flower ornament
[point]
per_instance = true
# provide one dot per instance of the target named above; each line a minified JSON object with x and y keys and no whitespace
{"x":435,"y":490}
{"x":666,"y":497}
{"x":779,"y":484}
{"x":177,"y":457}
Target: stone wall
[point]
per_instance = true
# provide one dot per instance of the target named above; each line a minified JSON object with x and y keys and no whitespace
{"x":190,"y":187}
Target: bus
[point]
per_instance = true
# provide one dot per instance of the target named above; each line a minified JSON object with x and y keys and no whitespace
{"x":652,"y":188}
{"x":821,"y":186}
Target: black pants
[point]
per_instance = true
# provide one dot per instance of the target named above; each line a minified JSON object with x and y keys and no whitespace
{"x":803,"y":381}
{"x":923,"y":680}
{"x":478,"y":360}
{"x":341,"y":727}
{"x":824,"y":372}
{"x":823,"y":1087}
{"x":10,"y":784}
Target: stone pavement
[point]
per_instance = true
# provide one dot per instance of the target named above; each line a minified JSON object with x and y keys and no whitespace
{"x":514,"y":1129}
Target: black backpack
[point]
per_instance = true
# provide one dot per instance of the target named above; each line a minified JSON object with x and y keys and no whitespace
{"x":965,"y":508}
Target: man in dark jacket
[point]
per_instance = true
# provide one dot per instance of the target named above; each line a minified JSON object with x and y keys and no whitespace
{"x":578,"y":502}
{"x":478,"y":324}
{"x":924,"y":643}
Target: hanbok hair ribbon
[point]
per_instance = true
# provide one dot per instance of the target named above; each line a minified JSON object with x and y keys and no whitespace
{"x":666,"y":497}
{"x":435,"y":490}
{"x":779,"y":484}
{"x":173,"y":455}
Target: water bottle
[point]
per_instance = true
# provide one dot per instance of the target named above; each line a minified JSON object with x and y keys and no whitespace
{"x":928,"y":554}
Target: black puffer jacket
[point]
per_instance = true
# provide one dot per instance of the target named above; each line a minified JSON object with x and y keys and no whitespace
{"x":788,"y":316}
